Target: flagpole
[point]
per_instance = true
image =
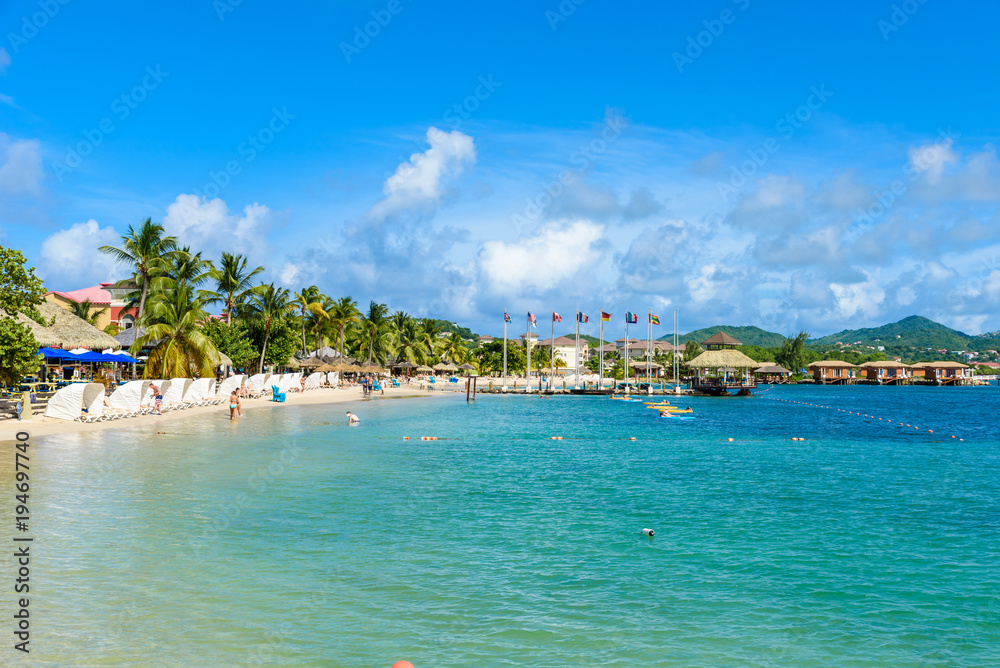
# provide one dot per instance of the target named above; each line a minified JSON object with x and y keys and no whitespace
{"x":649,"y":345}
{"x":505,"y":350}
{"x":625,"y":368}
{"x":676,"y":365}
{"x":579,"y":315}
{"x":601,"y":342}
{"x":552,"y":351}
{"x":527,"y":347}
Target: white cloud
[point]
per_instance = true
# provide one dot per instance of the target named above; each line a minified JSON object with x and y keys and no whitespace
{"x":421,"y":181}
{"x":4,"y":60}
{"x":558,"y":252}
{"x":208,"y":226}
{"x":859,"y":299}
{"x":71,"y":255}
{"x":931,"y":159}
{"x":20,"y":166}
{"x":288,"y":274}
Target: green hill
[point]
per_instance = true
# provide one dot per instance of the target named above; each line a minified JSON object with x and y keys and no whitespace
{"x":748,"y":335}
{"x":914,"y":331}
{"x":592,"y":341}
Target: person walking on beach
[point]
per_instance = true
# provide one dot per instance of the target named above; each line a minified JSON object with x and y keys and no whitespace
{"x":234,"y":405}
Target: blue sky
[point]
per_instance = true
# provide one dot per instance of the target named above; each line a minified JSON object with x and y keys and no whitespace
{"x":791,"y":166}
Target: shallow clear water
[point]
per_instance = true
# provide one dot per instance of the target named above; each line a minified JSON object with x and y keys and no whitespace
{"x":289,"y":538}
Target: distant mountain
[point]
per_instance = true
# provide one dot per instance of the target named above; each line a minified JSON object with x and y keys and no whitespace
{"x":748,"y":336}
{"x":592,"y":341}
{"x":914,"y":331}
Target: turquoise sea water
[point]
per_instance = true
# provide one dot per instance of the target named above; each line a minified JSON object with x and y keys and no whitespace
{"x":291,"y":539}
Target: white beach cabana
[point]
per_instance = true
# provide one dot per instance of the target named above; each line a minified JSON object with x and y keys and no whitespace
{"x":130,"y":396}
{"x":332,"y":378}
{"x":69,"y":402}
{"x":174,"y":395}
{"x":315,"y":380}
{"x":227,"y":386}
{"x":198,"y":391}
{"x":258,"y":381}
{"x":150,"y":399}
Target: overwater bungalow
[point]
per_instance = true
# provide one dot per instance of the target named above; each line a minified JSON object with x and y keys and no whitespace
{"x":834,"y":372}
{"x":722,"y":368}
{"x":943,"y":373}
{"x":887,"y":372}
{"x":772,"y":374}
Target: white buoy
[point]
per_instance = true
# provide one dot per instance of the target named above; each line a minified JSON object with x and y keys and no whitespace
{"x":648,"y":532}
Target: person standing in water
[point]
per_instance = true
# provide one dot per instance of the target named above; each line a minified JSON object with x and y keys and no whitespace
{"x":352,"y":418}
{"x":234,"y":405}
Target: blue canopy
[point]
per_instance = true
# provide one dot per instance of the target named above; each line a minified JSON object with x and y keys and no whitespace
{"x":54,"y":353}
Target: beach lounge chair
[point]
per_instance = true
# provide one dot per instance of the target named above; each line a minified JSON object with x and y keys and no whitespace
{"x":128,"y":398}
{"x":173,"y":396}
{"x":80,"y":401}
{"x":276,"y":394}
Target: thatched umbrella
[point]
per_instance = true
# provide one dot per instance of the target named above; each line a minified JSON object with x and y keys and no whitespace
{"x":423,"y":368}
{"x":224,"y":359}
{"x":440,"y":366}
{"x":466,"y":366}
{"x":292,"y":363}
{"x":342,"y":367}
{"x":326,"y":368}
{"x":310,"y":363}
{"x":329,"y":359}
{"x":67,"y":331}
{"x":450,"y":367}
{"x":405,"y":364}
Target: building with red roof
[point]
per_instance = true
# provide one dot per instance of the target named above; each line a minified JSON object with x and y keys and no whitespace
{"x":106,"y":299}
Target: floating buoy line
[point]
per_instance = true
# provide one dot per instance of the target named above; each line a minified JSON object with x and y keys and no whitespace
{"x":887,"y":421}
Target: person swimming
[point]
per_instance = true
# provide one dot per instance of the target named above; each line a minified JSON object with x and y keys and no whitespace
{"x":352,"y":418}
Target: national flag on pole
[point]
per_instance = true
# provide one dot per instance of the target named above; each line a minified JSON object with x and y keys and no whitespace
{"x":631,"y":318}
{"x":654,"y":319}
{"x":531,"y":317}
{"x":556,"y":317}
{"x":582,"y":317}
{"x":506,"y":318}
{"x":606,"y":317}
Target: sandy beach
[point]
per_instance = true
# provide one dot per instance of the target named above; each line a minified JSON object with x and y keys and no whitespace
{"x":41,"y":426}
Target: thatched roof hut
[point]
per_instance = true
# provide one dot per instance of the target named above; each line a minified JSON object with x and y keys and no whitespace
{"x":715,"y":359}
{"x":772,"y":370}
{"x":67,"y":331}
{"x":720,"y":340}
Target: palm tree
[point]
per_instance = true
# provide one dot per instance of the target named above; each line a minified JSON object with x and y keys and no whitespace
{"x":408,"y":345}
{"x":454,"y":349}
{"x":182,"y":267}
{"x":233,"y":282}
{"x":305,"y":302}
{"x":429,"y":339}
{"x":144,"y":249}
{"x":270,"y":304}
{"x":319,"y":318}
{"x":344,"y":314}
{"x":375,"y":326}
{"x":82,"y":310}
{"x":173,"y":325}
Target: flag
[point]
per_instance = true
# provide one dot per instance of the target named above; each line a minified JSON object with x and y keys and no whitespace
{"x":606,"y":317}
{"x":655,"y":319}
{"x":531,"y":317}
{"x":631,"y":318}
{"x":582,"y":317}
{"x":556,"y":317}
{"x":506,"y":318}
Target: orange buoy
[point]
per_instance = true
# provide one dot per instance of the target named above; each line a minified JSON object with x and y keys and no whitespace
{"x":406,"y":438}
{"x":930,"y":431}
{"x":730,"y":440}
{"x":632,"y":439}
{"x":556,"y":438}
{"x":402,"y":664}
